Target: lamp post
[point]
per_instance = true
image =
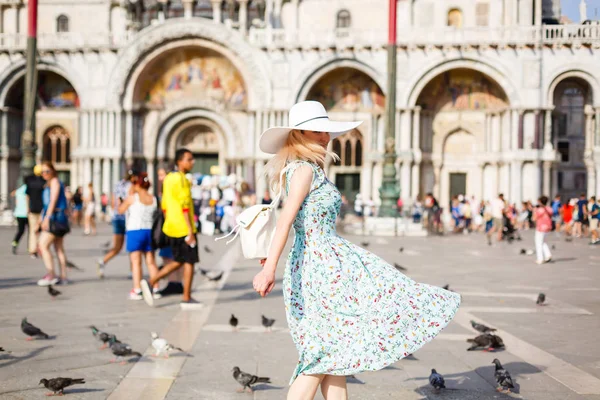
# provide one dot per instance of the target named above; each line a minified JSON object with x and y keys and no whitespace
{"x":389,"y":189}
{"x":28,"y":146}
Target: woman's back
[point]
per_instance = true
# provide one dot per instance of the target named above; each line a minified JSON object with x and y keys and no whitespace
{"x":140,"y":215}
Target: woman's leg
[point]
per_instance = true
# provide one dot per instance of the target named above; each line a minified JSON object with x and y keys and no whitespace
{"x":136,"y":268}
{"x":539,"y":246}
{"x":305,"y":387}
{"x":152,"y":268}
{"x":93,"y":224}
{"x":59,"y":246}
{"x":334,"y":387}
{"x":46,"y":240}
{"x":545,"y":248}
{"x":118,"y":245}
{"x":22,"y":223}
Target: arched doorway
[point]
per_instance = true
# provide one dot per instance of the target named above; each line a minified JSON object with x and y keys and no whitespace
{"x":56,"y":148}
{"x":570,"y":98}
{"x":463,"y":116}
{"x":57,"y":102}
{"x":345,"y":171}
{"x":349,"y":94}
{"x":202,"y":140}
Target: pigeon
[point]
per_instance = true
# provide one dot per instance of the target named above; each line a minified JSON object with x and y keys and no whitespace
{"x":207,"y":249}
{"x":32,"y":331}
{"x":103,"y":337}
{"x":233,"y":321}
{"x":523,"y":251}
{"x":446,"y":286}
{"x":267,"y":323}
{"x":57,"y":385}
{"x":216,"y":278}
{"x":541,"y":299}
{"x":399,"y":267}
{"x":503,"y":378}
{"x":53,"y":292}
{"x":364,"y":244}
{"x":162,"y":346}
{"x":71,"y":265}
{"x":122,"y":350}
{"x":436,"y":380}
{"x":106,"y":244}
{"x":246,"y":380}
{"x":487,"y":341}
{"x":401,"y":249}
{"x":553,"y":247}
{"x":481,"y":328}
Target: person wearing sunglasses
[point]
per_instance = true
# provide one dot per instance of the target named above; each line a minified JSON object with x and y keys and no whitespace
{"x":54,"y":226}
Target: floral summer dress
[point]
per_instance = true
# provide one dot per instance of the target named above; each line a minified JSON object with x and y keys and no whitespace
{"x":348,"y":310}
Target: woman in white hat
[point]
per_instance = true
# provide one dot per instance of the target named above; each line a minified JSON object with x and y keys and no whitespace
{"x":348,"y":310}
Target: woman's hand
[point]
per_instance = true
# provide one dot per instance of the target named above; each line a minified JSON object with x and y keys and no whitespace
{"x":264,"y":282}
{"x":46,"y":224}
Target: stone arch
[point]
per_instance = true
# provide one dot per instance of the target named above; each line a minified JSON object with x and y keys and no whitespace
{"x":311,"y":76}
{"x":10,"y":77}
{"x":195,"y":29}
{"x":188,"y":54}
{"x":573,"y":73}
{"x":418,"y":82}
{"x":168,"y":125}
{"x":449,"y":130}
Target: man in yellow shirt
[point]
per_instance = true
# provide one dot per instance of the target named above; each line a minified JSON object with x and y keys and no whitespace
{"x":179,"y":228}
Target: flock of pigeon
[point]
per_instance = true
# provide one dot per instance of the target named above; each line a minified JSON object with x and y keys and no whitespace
{"x":487,"y":341}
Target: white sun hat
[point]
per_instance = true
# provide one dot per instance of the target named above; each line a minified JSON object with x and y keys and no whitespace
{"x":306,"y":115}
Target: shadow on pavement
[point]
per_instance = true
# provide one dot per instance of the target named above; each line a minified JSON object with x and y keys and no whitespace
{"x":82,"y":390}
{"x":15,"y":359}
{"x":264,"y":387}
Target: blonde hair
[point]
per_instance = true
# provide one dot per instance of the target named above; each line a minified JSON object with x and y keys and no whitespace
{"x":296,"y":147}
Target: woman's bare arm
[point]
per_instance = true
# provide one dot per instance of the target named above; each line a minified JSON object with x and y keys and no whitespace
{"x":299,"y":188}
{"x":54,"y":193}
{"x":125,"y":204}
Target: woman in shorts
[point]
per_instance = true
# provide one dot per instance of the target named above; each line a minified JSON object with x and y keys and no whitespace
{"x":139,"y":207}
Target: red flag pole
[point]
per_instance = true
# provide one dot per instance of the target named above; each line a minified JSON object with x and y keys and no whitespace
{"x":389,"y":189}
{"x":28,"y":137}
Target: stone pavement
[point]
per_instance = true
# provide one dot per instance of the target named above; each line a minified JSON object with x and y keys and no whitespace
{"x":551,"y":351}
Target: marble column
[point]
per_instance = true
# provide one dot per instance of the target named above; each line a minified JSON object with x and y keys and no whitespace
{"x":216,"y":6}
{"x":269,"y":14}
{"x":377,"y":180}
{"x":161,"y":10}
{"x":538,"y":13}
{"x":416,"y":136}
{"x":597,"y":130}
{"x":116,"y":173}
{"x":406,"y":190}
{"x":243,"y":16}
{"x":260,"y":181}
{"x":4,"y":181}
{"x":588,"y":128}
{"x":516,"y":179}
{"x":188,"y":7}
{"x":84,"y":129}
{"x":591,"y":180}
{"x":295,"y":14}
{"x":119,"y":131}
{"x":405,"y":131}
{"x":128,"y":136}
{"x":547,"y":179}
{"x":106,"y":175}
{"x":74,"y":172}
{"x":87,"y":171}
{"x":111,"y":130}
{"x":366,"y":178}
{"x":97,"y":177}
{"x":415,"y":180}
{"x":437,"y":175}
{"x":548,"y":130}
{"x":521,"y":137}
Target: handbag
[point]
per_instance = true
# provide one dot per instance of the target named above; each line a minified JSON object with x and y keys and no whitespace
{"x":256,"y":226}
{"x":159,"y":239}
{"x":59,"y":226}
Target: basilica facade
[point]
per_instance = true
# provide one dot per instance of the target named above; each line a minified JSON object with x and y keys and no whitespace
{"x":493,"y":96}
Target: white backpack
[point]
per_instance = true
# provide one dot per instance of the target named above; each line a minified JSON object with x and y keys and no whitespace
{"x":256,"y":226}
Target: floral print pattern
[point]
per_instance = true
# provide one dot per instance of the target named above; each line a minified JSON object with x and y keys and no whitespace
{"x":348,"y":310}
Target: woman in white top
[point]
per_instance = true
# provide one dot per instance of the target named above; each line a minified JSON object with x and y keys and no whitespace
{"x":139,"y":209}
{"x":90,"y":211}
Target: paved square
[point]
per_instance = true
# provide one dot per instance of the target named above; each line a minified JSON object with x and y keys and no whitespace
{"x":552,"y":352}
